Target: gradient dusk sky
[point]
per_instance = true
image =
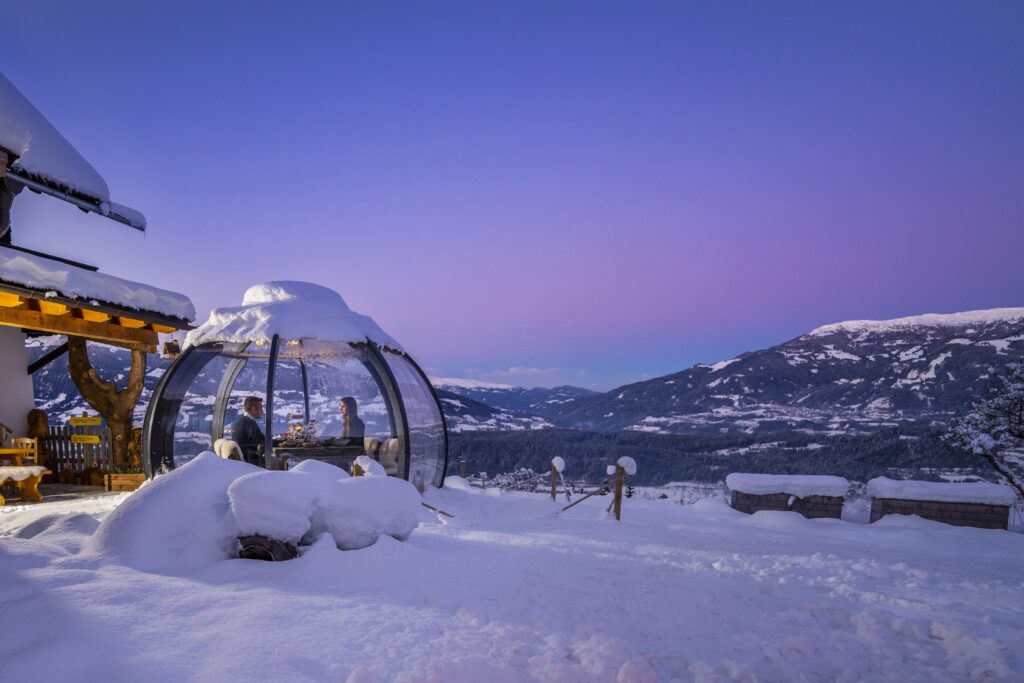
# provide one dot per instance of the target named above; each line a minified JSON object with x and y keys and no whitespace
{"x":547,"y":192}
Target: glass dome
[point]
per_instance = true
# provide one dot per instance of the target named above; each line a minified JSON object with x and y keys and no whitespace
{"x":214,"y":389}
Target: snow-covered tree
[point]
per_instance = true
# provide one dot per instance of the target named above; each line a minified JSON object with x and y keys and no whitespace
{"x":995,"y":425}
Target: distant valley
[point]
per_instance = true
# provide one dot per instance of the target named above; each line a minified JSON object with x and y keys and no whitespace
{"x":891,"y":382}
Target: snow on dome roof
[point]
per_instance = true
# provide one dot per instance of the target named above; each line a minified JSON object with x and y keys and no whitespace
{"x":993,"y":315}
{"x":41,"y":150}
{"x":38,"y":273}
{"x":290,"y":310}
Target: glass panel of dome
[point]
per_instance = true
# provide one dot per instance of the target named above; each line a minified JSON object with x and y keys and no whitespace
{"x":427,"y":447}
{"x":334,"y":378}
{"x":194,"y":423}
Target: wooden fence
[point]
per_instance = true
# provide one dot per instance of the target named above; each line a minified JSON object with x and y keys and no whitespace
{"x":78,"y":463}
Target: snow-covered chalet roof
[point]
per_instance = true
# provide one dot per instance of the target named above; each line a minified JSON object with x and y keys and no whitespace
{"x":43,"y":155}
{"x":987,"y":316}
{"x":57,"y":278}
{"x":291,"y":310}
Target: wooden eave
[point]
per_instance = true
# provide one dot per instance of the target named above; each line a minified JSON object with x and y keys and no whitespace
{"x":33,"y":310}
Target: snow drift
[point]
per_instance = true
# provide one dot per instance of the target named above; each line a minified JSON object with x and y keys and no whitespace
{"x":300,"y":505}
{"x":192,"y":517}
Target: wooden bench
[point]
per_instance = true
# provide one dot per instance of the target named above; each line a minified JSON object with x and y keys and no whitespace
{"x":26,"y":477}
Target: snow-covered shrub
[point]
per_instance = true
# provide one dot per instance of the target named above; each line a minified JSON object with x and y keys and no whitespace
{"x":278,"y":505}
{"x":192,"y":517}
{"x":300,"y":504}
{"x":356,"y":511}
{"x":176,"y":522}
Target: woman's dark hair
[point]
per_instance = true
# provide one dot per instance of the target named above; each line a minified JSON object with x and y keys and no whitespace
{"x":350,"y":406}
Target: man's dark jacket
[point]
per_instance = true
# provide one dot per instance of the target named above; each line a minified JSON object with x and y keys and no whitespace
{"x":249,"y":437}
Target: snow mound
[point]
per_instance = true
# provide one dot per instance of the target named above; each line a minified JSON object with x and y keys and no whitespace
{"x":176,"y":522}
{"x":801,"y":486}
{"x":359,"y":510}
{"x":278,"y":505}
{"x":628,"y":464}
{"x":322,"y":469}
{"x":972,"y":492}
{"x":44,"y":274}
{"x":457,"y":483}
{"x":50,"y":526}
{"x":558,"y":463}
{"x":302,"y":504}
{"x":982,"y":317}
{"x":291,"y":310}
{"x":191,"y":518}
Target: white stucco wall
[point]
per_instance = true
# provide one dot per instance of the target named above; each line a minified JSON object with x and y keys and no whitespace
{"x":16,"y":397}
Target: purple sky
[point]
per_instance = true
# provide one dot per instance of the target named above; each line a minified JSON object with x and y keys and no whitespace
{"x":541,"y":193}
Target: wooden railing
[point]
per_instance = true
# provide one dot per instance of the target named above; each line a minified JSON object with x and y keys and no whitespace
{"x":78,"y":463}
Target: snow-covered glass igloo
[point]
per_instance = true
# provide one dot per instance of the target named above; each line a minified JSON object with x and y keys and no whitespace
{"x":294,"y":374}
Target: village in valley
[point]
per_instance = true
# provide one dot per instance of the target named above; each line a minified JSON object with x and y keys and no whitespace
{"x":250,"y":427}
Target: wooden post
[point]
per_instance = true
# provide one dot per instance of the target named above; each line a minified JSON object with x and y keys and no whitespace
{"x":620,"y":478}
{"x":554,"y":479}
{"x":462,"y":468}
{"x":357,"y":471}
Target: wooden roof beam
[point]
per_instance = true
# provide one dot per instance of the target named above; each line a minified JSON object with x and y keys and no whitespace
{"x":104,"y":332}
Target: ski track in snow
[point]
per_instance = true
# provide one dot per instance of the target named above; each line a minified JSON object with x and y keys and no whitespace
{"x":507,"y":591}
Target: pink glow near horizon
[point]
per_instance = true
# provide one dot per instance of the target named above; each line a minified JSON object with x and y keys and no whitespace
{"x":537,"y":195}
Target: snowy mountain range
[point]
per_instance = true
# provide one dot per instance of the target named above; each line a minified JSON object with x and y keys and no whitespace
{"x":840,"y":378}
{"x":850,"y":377}
{"x":517,"y":404}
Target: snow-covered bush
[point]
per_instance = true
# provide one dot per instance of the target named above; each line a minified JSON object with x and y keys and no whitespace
{"x":299,"y":505}
{"x":176,"y":522}
{"x":358,"y":510}
{"x":193,"y":516}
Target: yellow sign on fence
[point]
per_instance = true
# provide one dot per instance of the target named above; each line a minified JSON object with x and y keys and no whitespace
{"x":86,"y":421}
{"x":85,"y":438}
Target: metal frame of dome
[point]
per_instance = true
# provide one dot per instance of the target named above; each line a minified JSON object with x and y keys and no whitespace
{"x":164,"y":407}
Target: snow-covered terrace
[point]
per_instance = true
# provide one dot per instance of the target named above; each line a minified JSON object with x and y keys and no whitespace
{"x":509,"y":591}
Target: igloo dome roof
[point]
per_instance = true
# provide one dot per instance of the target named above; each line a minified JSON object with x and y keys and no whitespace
{"x":290,"y":310}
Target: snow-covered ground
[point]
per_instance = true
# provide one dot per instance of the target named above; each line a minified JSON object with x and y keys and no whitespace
{"x":510,"y":591}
